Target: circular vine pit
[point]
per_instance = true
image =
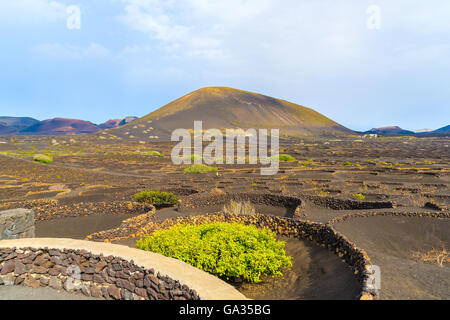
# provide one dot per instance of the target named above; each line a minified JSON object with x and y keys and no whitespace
{"x":326,"y":264}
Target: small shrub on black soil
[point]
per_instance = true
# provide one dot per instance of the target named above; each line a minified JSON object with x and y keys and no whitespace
{"x":156,"y":198}
{"x":359,"y":196}
{"x":200,"y":168}
{"x":43,"y":159}
{"x":155,"y":154}
{"x":228,"y":250}
{"x":286,"y":158}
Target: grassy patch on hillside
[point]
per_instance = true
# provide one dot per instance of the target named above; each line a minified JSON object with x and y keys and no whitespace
{"x":200,"y":168}
{"x":42,"y":158}
{"x":286,"y":158}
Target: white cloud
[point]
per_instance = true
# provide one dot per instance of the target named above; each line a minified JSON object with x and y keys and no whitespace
{"x":95,"y":50}
{"x":69,"y":52}
{"x":298,"y":37}
{"x":32,"y":11}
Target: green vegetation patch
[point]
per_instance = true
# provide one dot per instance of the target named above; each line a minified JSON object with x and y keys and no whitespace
{"x":154,"y":154}
{"x":43,"y":159}
{"x":200,"y":168}
{"x":359,"y":196}
{"x":156,"y":198}
{"x":228,"y":250}
{"x":286,"y":158}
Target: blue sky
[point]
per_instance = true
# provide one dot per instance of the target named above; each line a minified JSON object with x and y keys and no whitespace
{"x":130,"y":57}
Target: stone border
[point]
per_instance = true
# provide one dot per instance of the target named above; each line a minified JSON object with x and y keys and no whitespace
{"x":296,"y":203}
{"x":321,"y":234}
{"x":433,"y":215}
{"x":200,"y":200}
{"x":52,"y":209}
{"x":348,"y":204}
{"x":106,"y":270}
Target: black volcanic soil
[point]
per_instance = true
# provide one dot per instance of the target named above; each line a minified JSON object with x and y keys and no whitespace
{"x":412,"y":173}
{"x":78,"y":227}
{"x":391,"y":242}
{"x":172,"y":213}
{"x":316,"y":274}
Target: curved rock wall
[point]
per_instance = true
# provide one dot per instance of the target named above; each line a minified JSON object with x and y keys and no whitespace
{"x":79,"y":271}
{"x":50,"y":209}
{"x":321,"y":234}
{"x":199,"y":200}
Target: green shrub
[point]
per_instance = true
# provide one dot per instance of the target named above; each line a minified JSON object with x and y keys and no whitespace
{"x":154,"y":154}
{"x":281,"y":157}
{"x":200,"y":168}
{"x":228,"y":250}
{"x":156,"y":198}
{"x":348,"y":164}
{"x":359,"y":196}
{"x":43,"y":158}
{"x":286,"y":158}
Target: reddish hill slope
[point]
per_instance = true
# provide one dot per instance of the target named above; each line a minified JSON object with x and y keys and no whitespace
{"x":61,"y":126}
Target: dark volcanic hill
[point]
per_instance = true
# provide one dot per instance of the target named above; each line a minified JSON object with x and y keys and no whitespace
{"x":227,"y":108}
{"x":61,"y":126}
{"x":443,"y":130}
{"x":12,"y":125}
{"x":390,"y":131}
{"x":114,"y":123}
{"x":127,"y":120}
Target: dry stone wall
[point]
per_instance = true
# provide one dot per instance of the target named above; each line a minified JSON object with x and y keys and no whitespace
{"x":78,"y":271}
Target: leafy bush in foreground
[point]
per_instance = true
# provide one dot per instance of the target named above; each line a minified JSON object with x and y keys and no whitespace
{"x":228,"y":250}
{"x":156,"y":198}
{"x":200,"y":168}
{"x":43,"y":159}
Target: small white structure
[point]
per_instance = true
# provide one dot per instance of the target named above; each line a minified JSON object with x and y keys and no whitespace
{"x":370,"y":136}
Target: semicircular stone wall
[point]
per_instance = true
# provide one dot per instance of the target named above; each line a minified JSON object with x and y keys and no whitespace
{"x":78,"y":271}
{"x":79,"y":267}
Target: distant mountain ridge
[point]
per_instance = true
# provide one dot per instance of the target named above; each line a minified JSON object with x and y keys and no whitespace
{"x":445,"y":129}
{"x":61,"y":126}
{"x":11,"y":125}
{"x":397,"y":131}
{"x":423,"y":131}
{"x":113,"y":123}
{"x":392,"y":130}
{"x":56,"y":126}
